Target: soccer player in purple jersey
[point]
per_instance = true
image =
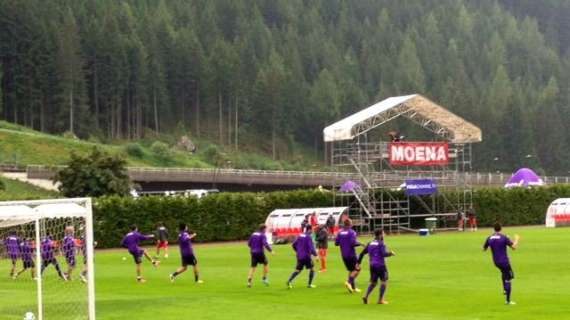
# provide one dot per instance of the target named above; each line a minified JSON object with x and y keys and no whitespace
{"x":377,"y":253}
{"x":305,"y":250}
{"x":186,"y":254}
{"x":257,"y":245}
{"x":83,"y":250}
{"x":346,"y":240}
{"x":27,"y":256}
{"x":48,"y":247}
{"x":69,"y":250}
{"x":131,"y":241}
{"x":498,"y":243}
{"x":12,"y":244}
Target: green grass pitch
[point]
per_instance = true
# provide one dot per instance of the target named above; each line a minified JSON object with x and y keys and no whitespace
{"x":444,"y":276}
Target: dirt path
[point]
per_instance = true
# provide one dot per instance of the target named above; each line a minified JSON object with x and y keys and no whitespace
{"x":23,"y":177}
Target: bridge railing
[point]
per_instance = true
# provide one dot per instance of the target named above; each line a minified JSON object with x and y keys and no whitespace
{"x":301,"y":178}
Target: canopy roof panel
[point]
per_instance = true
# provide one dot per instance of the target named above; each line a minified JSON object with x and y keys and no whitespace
{"x":415,"y":107}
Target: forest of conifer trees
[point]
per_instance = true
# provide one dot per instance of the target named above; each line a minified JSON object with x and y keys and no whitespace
{"x":284,"y":69}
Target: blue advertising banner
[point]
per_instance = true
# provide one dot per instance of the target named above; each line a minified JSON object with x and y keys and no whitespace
{"x":420,"y":187}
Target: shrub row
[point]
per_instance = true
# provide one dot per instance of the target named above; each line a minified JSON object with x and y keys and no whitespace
{"x":217,"y":217}
{"x":232,"y":216}
{"x":516,"y":206}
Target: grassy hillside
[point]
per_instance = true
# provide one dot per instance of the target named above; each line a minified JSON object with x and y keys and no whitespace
{"x":16,"y":190}
{"x":25,"y":146}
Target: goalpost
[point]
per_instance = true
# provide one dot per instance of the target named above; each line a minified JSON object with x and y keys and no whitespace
{"x":46,"y":259}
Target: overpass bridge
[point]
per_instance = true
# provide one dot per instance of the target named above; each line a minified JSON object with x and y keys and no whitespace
{"x":160,"y":179}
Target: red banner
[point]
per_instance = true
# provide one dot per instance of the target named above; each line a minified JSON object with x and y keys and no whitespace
{"x":418,"y":153}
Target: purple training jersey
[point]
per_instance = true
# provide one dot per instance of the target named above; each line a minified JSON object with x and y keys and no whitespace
{"x":185,"y":244}
{"x":258,"y":241}
{"x":346,"y":239}
{"x":304,"y":247}
{"x":26,"y":251}
{"x":47,"y":249}
{"x":69,"y":246}
{"x":377,"y":251}
{"x":499,"y":243}
{"x":132,"y":240}
{"x":12,"y":244}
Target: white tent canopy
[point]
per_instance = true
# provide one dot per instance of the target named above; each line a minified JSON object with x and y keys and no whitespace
{"x":414,"y":107}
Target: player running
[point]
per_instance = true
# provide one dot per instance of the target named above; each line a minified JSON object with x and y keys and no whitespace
{"x":162,"y":241}
{"x":69,"y":244}
{"x":499,"y":243}
{"x":27,"y":256}
{"x":305,"y":250}
{"x":378,"y":252}
{"x":187,"y":254}
{"x":131,"y":241}
{"x":346,"y":239}
{"x":257,"y":245}
{"x":12,"y":244}
{"x":48,"y":247}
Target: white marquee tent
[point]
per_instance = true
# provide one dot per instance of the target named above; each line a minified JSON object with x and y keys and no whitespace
{"x":414,"y":107}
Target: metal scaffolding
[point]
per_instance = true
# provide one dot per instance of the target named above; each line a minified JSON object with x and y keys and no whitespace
{"x":375,"y":202}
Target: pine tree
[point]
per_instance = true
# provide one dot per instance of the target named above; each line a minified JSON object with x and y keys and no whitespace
{"x":70,"y":73}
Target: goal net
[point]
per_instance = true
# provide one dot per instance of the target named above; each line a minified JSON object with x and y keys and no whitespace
{"x":46,"y":260}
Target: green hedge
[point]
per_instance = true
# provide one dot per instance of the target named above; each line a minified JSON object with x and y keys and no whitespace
{"x":516,"y":206}
{"x":217,"y":217}
{"x":232,"y":216}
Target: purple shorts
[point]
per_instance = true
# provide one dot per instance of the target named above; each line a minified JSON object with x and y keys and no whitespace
{"x":28,"y":264}
{"x":507,"y":273}
{"x":304,"y":263}
{"x":378,"y":272}
{"x":137,"y":256}
{"x":258,"y":258}
{"x":70,"y":260}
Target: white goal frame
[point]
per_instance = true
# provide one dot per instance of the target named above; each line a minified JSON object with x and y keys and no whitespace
{"x":33,"y":211}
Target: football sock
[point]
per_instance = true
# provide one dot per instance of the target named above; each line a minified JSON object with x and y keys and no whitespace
{"x":382,"y":291}
{"x":507,"y":286}
{"x":293,"y":276}
{"x":370,"y":288}
{"x":58,"y":269}
{"x":196,"y":277}
{"x":175,"y":274}
{"x":311,"y":276}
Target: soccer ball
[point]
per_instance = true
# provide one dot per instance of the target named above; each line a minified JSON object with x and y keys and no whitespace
{"x":29,"y":316}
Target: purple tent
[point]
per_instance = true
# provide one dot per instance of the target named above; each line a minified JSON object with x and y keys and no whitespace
{"x":349,"y":186}
{"x":524,"y":178}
